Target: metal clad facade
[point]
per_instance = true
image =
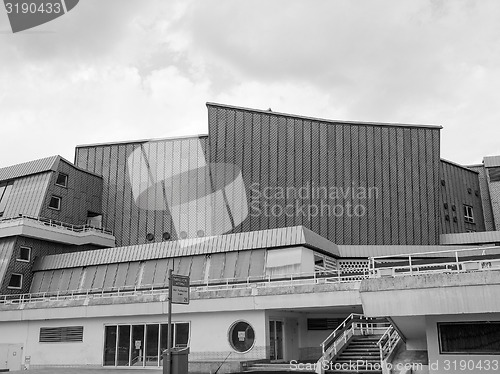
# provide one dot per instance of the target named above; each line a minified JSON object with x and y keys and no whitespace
{"x":489,"y":220}
{"x":396,"y":162}
{"x":129,"y":222}
{"x":459,"y":187}
{"x":27,"y":195}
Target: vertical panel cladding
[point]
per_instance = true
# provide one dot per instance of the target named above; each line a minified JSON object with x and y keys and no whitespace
{"x":230,"y":265}
{"x":109,"y":279}
{"x":288,"y":163}
{"x":316,"y":162}
{"x":257,"y":263}
{"x":282,"y":155}
{"x":273,"y":171}
{"x":379,"y":170}
{"x":348,"y":177}
{"x":461,"y":187}
{"x":355,"y":182}
{"x":89,"y":275}
{"x":7,"y":247}
{"x":243,"y":264}
{"x":132,"y":277}
{"x":362,"y":203}
{"x":28,"y":195}
{"x":247,"y":162}
{"x":331,"y":181}
{"x":489,"y":221}
{"x":217,"y":262}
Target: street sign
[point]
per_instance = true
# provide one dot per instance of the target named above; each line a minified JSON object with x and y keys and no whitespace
{"x":180,"y":289}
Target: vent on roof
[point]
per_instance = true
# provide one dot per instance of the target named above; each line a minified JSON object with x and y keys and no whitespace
{"x":61,"y":334}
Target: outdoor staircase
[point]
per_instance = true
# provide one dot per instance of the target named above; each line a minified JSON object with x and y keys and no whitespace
{"x":361,"y":355}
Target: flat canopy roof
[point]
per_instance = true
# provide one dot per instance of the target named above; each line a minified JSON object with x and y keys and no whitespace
{"x":272,"y":238}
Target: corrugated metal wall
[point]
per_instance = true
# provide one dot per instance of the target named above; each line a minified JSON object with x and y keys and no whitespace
{"x":27,"y":195}
{"x":235,"y":265}
{"x":6,"y":250}
{"x":275,"y":150}
{"x":82,"y":194}
{"x":130,"y":223}
{"x":459,"y":186}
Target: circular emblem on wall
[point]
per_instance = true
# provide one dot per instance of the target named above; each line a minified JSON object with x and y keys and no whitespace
{"x":241,"y":336}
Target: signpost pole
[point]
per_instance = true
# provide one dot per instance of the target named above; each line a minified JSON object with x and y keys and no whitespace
{"x":169,"y":329}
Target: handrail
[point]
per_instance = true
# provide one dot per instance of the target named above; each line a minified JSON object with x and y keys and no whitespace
{"x":333,"y":344}
{"x":59,"y":224}
{"x":388,"y":343}
{"x":201,"y":286}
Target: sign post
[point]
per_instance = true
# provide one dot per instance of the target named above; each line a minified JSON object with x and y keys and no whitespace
{"x":178,"y":293}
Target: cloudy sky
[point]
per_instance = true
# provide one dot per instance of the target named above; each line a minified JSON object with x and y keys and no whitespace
{"x":114,"y":70}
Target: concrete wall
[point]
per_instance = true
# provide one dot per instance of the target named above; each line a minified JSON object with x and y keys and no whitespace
{"x":208,"y":337}
{"x":450,"y":364}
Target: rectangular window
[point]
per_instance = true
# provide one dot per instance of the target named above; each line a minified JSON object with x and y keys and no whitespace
{"x":323,"y":323}
{"x":16,"y":281}
{"x":55,"y":202}
{"x":469,"y":337}
{"x":142,"y":344}
{"x":24,"y":254}
{"x":468,"y":214}
{"x":61,"y":334}
{"x":62,"y":180}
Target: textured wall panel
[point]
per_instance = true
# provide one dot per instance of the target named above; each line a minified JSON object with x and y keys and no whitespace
{"x":400,"y":163}
{"x":489,"y":221}
{"x":461,"y":187}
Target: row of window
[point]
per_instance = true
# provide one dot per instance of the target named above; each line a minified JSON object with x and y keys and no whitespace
{"x":16,"y":280}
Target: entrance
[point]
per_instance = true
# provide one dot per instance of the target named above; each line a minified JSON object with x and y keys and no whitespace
{"x":276,"y":340}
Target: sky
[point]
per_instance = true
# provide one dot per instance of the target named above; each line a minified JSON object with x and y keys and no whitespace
{"x":114,"y":70}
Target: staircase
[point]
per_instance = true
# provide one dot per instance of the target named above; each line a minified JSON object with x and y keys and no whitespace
{"x":360,"y":355}
{"x":357,"y":346}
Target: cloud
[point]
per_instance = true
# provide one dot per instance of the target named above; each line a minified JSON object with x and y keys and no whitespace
{"x":118,"y":70}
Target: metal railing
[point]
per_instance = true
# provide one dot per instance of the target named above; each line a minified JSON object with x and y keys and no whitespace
{"x":57,"y":224}
{"x":449,"y":261}
{"x":387,"y":344}
{"x":355,"y":324}
{"x":209,"y":285}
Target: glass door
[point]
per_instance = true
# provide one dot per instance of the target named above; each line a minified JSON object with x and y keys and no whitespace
{"x":276,"y":340}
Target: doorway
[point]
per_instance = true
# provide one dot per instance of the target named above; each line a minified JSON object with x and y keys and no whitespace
{"x":276,"y":333}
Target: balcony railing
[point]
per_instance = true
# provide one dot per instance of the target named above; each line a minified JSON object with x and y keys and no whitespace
{"x":56,"y":224}
{"x":449,"y":261}
{"x":211,"y":285}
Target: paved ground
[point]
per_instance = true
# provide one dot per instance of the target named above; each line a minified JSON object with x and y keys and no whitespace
{"x":102,"y":371}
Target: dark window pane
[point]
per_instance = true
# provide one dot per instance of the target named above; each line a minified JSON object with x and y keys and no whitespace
{"x":123,"y":345}
{"x":181,"y":334}
{"x":137,"y":345}
{"x":152,"y":332}
{"x":62,"y":180}
{"x":16,"y":281}
{"x":109,"y":345}
{"x":474,"y":337}
{"x":55,"y":202}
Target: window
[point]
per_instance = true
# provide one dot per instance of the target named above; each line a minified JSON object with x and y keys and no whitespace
{"x":16,"y":282}
{"x":61,"y":334}
{"x":62,"y":180}
{"x":24,"y":254}
{"x":241,"y":336}
{"x":55,"y":203}
{"x":469,"y":337}
{"x":141,"y":344}
{"x":468,"y":214}
{"x":323,"y":323}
